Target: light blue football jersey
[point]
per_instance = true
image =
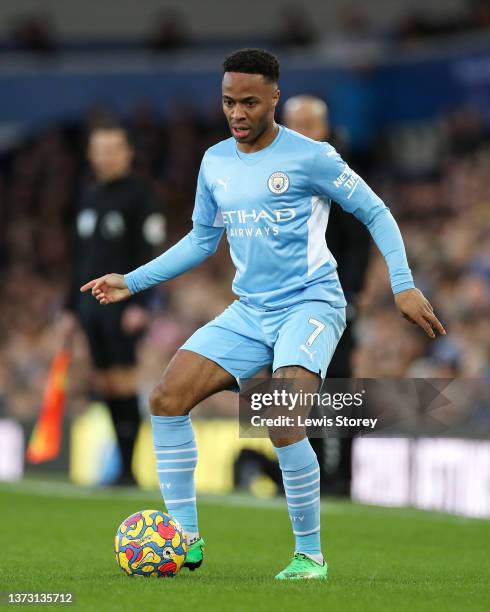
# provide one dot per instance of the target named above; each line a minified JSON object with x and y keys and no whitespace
{"x":274,"y":205}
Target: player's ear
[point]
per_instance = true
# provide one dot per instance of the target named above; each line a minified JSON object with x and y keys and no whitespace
{"x":275,"y":97}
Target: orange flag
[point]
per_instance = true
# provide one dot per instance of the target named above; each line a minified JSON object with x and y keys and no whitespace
{"x":45,"y":442}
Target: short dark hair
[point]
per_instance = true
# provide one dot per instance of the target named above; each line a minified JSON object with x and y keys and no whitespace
{"x":253,"y":61}
{"x":110,"y":125}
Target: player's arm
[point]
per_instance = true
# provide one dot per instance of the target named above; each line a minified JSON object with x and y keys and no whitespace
{"x":332,"y":177}
{"x":193,"y":249}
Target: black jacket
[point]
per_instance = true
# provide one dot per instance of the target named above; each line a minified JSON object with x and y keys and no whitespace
{"x":118,"y":226}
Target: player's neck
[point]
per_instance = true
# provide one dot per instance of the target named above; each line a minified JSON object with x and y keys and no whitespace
{"x":263,"y":141}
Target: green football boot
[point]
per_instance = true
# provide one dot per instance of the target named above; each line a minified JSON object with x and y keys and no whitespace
{"x":302,"y":567}
{"x":195,"y":555}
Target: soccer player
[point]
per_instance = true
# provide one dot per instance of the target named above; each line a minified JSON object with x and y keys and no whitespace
{"x":119,"y":222}
{"x":269,"y":188}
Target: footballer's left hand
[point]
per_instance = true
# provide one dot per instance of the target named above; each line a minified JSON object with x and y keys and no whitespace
{"x":414,"y":307}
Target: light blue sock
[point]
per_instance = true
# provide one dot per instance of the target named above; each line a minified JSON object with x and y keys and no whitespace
{"x":176,"y":457}
{"x":301,"y":478}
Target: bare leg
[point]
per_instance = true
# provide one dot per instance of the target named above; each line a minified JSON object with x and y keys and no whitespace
{"x":117,"y":381}
{"x":118,"y":387}
{"x":188,"y":379}
{"x":312,"y":382}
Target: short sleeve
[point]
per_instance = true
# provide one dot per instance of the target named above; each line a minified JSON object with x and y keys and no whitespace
{"x":206,"y":210}
{"x":332,"y":177}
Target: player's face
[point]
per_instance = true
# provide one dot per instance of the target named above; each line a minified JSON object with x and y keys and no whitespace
{"x":110,"y":154}
{"x":307,"y":121}
{"x":249,"y":103}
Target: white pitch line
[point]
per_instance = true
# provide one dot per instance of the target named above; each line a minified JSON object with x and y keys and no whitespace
{"x":331,"y":506}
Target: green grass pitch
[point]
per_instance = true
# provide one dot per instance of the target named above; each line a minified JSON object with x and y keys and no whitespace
{"x":57,"y":538}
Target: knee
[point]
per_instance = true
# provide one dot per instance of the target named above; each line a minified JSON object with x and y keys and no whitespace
{"x":163,"y":402}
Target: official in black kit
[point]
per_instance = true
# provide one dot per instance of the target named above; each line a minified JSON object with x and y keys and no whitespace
{"x":119,"y":225}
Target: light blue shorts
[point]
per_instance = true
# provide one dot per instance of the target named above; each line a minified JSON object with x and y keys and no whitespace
{"x":243,"y":340}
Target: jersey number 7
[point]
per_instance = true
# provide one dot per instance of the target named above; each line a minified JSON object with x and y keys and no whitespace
{"x":319,"y":327}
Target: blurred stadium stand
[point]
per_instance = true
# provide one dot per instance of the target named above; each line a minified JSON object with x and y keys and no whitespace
{"x":125,"y":22}
{"x":408,"y":89}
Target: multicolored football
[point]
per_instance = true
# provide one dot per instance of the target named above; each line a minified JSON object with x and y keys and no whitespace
{"x":150,"y":543}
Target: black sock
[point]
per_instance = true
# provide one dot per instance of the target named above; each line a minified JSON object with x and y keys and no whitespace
{"x":126,"y":418}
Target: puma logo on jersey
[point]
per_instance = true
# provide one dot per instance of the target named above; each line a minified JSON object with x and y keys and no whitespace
{"x":223,"y":183}
{"x":308,"y":352}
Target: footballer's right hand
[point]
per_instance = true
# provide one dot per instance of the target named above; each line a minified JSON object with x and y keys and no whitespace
{"x":108,"y":289}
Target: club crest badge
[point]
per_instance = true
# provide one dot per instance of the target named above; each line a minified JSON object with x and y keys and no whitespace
{"x":278,"y":182}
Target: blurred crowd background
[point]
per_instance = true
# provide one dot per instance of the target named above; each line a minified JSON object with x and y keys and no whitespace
{"x":431,"y":171}
{"x":334,"y":28}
